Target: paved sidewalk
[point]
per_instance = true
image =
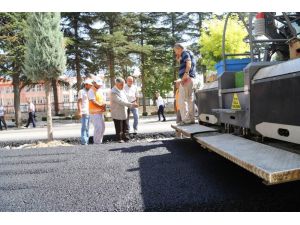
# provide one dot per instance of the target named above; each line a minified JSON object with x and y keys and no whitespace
{"x":72,"y":130}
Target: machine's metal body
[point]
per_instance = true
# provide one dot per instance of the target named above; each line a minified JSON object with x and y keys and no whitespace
{"x":268,"y":105}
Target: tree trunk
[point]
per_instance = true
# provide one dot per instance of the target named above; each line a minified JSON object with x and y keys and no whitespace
{"x":143,"y":84}
{"x":77,"y":56}
{"x":142,"y":70}
{"x":49,"y":116}
{"x":112,"y":68}
{"x":16,"y":87}
{"x":55,"y":95}
{"x":174,"y":56}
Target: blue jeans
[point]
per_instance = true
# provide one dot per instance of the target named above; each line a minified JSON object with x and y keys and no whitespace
{"x":85,"y":125}
{"x":135,"y":112}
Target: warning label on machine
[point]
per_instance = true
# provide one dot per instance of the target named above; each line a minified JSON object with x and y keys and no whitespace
{"x":235,"y":102}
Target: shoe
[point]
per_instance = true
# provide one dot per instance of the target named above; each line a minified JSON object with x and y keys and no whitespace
{"x":164,"y":120}
{"x":188,"y":122}
{"x":26,"y":126}
{"x":135,"y":131}
{"x":121,"y":141}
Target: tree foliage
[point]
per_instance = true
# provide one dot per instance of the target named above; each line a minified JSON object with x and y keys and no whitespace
{"x":12,"y":51}
{"x":45,"y":58}
{"x":79,"y":46}
{"x":211,"y":40}
{"x":45,"y":54}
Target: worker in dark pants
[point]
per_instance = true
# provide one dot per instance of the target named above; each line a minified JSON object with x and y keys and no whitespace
{"x":161,"y":107}
{"x":2,"y":120}
{"x":31,"y":112}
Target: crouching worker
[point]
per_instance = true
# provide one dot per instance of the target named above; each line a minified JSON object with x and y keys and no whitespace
{"x":118,"y":106}
{"x":97,"y":107}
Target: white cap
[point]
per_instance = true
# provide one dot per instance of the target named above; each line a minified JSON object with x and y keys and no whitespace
{"x":98,"y":81}
{"x":88,"y":81}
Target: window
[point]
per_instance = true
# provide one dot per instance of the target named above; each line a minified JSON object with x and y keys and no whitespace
{"x":66,"y":98}
{"x":65,"y":88}
{"x":39,"y":87}
{"x":34,"y":100}
{"x":75,"y":98}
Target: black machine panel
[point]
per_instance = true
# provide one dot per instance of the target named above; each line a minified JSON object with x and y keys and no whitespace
{"x":207,"y":100}
{"x":276,"y":100}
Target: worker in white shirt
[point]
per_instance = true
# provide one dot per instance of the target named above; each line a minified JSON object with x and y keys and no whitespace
{"x":2,"y":120}
{"x":31,"y":112}
{"x":83,"y":111}
{"x":160,"y":106}
{"x":132,"y":97}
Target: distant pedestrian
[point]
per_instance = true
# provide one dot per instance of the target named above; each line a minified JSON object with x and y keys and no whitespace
{"x":187,"y":72}
{"x":83,"y":111}
{"x":31,"y":114}
{"x":133,"y":97}
{"x":160,"y":106}
{"x":97,"y":107}
{"x":118,"y":107}
{"x":2,"y":119}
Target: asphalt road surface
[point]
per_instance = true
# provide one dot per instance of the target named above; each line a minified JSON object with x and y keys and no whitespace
{"x":164,"y":175}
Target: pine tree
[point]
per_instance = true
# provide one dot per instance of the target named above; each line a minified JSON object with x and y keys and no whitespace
{"x":12,"y":44}
{"x":80,"y":47}
{"x":114,"y":46}
{"x":45,"y":55}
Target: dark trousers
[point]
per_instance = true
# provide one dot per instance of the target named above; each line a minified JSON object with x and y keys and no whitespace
{"x":30,"y":119}
{"x":121,"y":129}
{"x":2,"y":120}
{"x":161,"y":111}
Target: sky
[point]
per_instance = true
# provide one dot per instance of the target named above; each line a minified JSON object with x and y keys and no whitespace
{"x":147,"y":5}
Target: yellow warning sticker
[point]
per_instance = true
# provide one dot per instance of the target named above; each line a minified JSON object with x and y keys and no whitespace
{"x":235,"y":102}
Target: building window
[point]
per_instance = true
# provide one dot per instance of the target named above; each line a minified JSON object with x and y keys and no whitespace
{"x":65,"y":88}
{"x":75,"y":97}
{"x":33,"y":99}
{"x":27,"y":89}
{"x":39,"y":88}
{"x":66,"y":98}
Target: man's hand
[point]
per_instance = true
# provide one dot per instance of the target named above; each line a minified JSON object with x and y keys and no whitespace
{"x":184,"y":78}
{"x":135,"y":105}
{"x":78,"y":114}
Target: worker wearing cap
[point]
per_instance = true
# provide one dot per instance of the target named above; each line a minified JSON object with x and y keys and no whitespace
{"x":83,"y":111}
{"x":97,"y":108}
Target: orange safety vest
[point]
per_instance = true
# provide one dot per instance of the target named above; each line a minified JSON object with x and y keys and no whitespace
{"x":177,"y":100}
{"x":95,"y":109}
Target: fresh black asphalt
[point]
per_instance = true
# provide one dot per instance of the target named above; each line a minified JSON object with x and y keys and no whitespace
{"x":163,"y":175}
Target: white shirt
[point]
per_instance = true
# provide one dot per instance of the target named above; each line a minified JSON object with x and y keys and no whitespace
{"x":31,"y":107}
{"x":1,"y":110}
{"x":131,"y":93}
{"x":160,"y":101}
{"x":83,"y":95}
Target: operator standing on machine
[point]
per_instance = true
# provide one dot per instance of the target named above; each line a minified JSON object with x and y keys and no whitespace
{"x":187,"y":72}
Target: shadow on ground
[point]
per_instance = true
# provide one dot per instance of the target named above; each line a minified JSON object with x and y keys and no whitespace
{"x":188,"y":178}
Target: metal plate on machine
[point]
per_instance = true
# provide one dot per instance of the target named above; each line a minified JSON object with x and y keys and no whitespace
{"x":274,"y":165}
{"x":192,"y":129}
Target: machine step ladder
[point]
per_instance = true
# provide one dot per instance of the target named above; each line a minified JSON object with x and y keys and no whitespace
{"x":273,"y":165}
